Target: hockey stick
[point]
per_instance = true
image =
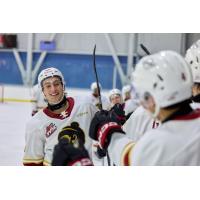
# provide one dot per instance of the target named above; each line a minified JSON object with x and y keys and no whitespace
{"x":98,"y":89}
{"x":95,"y":71}
{"x":145,"y":49}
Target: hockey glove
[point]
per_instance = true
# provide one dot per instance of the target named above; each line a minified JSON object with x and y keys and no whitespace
{"x":117,"y":112}
{"x":67,"y":154}
{"x":100,"y":152}
{"x":102,"y":127}
{"x":70,"y":149}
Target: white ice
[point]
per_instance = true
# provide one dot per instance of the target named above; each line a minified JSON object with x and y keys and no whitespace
{"x":13,"y":118}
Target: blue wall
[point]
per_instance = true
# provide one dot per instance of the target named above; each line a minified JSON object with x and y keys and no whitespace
{"x":77,"y":69}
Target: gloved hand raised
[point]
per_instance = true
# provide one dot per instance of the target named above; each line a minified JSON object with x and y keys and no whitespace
{"x":70,"y":149}
{"x":102,"y":127}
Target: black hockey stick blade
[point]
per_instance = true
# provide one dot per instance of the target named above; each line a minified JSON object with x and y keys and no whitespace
{"x":145,"y":49}
{"x":95,"y":71}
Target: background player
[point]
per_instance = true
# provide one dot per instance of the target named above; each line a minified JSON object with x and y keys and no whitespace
{"x":129,"y":100}
{"x":38,"y":101}
{"x":193,"y":59}
{"x":94,"y":97}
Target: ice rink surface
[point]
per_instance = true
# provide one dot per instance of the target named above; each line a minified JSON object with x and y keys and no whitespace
{"x":13,"y":118}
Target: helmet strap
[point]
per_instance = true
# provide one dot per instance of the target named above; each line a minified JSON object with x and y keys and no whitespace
{"x":156,"y":112}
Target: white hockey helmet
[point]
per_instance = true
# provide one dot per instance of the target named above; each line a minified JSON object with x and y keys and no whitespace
{"x":193,"y":58}
{"x":126,"y":88}
{"x":114,"y":91}
{"x":93,"y":86}
{"x":50,"y":72}
{"x":166,"y":76}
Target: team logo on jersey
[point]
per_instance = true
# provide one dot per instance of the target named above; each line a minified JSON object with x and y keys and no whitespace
{"x":64,"y":114}
{"x":50,"y":129}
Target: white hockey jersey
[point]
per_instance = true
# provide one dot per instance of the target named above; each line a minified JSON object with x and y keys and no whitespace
{"x":130,"y":106}
{"x":139,"y":123}
{"x":43,"y":129}
{"x":175,"y":142}
{"x":95,"y":101}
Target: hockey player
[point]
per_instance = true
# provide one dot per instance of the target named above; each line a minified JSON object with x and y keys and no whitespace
{"x":43,"y":129}
{"x":38,"y":101}
{"x":115,"y":96}
{"x":193,"y":59}
{"x":126,"y":92}
{"x":164,"y":84}
{"x":139,"y":123}
{"x":130,"y":103}
{"x":94,"y":97}
{"x":117,"y":112}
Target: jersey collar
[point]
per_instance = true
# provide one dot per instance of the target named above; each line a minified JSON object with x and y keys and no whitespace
{"x":64,"y":114}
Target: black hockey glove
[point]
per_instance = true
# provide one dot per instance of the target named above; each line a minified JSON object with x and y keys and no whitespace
{"x":102,"y":127}
{"x":66,"y":154}
{"x":100,"y":152}
{"x":70,"y":150}
{"x":117,"y":112}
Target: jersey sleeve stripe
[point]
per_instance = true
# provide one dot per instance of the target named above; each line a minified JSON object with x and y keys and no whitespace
{"x":32,"y":162}
{"x":46,"y":163}
{"x":125,"y":158}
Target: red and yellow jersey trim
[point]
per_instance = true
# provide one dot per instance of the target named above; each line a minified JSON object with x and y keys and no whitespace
{"x":46,"y":163}
{"x":33,"y":162}
{"x":126,"y":154}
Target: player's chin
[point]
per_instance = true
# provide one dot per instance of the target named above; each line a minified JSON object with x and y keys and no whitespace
{"x":55,"y":100}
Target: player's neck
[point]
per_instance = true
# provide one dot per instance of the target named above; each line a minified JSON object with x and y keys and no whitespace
{"x":165,"y":113}
{"x":63,"y":108}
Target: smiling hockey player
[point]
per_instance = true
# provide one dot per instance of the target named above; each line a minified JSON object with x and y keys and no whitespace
{"x":43,"y":129}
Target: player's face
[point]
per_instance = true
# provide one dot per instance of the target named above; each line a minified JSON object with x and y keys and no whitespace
{"x":53,"y":90}
{"x":114,"y":99}
{"x":195,"y":89}
{"x":96,"y":93}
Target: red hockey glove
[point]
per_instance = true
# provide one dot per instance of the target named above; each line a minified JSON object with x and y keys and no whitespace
{"x":102,"y":127}
{"x":117,"y":112}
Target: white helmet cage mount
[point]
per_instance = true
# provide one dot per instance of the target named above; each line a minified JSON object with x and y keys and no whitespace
{"x":47,"y":73}
{"x":193,"y":58}
{"x":166,"y":76}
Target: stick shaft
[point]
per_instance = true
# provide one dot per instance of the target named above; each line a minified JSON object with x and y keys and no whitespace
{"x":96,"y":76}
{"x":145,"y":49}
